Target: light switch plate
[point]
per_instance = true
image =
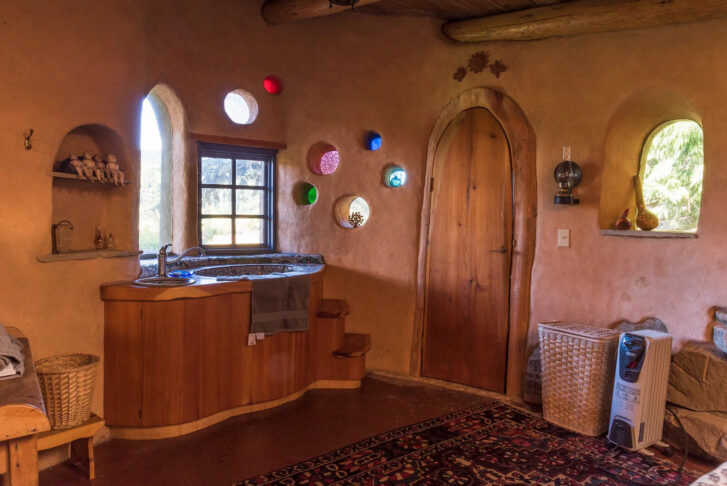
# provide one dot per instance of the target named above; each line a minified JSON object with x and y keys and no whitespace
{"x":563,"y":238}
{"x":251,"y":340}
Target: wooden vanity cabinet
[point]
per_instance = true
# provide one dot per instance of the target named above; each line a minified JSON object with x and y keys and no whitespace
{"x":175,"y":361}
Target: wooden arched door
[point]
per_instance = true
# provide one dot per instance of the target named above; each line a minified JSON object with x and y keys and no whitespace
{"x":470,"y":249}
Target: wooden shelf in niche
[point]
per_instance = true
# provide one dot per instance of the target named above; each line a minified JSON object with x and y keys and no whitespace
{"x":87,"y":255}
{"x":647,"y":234}
{"x":66,"y":175}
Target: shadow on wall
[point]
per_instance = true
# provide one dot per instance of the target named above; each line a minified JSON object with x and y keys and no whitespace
{"x":707,"y":324}
{"x":375,"y":303}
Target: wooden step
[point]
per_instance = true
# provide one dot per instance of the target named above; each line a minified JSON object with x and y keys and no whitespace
{"x":354,"y":346}
{"x":333,"y":309}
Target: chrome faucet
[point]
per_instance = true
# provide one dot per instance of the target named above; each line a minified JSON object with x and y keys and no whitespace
{"x":162,"y":258}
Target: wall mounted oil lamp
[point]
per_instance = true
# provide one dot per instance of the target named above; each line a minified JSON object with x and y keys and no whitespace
{"x":343,"y":3}
{"x":567,"y":175}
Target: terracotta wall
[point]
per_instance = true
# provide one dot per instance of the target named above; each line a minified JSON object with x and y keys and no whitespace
{"x":66,"y":64}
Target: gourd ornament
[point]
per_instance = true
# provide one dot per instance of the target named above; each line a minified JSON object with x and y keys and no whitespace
{"x":645,"y":219}
{"x":89,"y":167}
{"x":624,"y":223}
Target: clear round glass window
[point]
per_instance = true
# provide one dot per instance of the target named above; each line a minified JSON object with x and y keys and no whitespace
{"x":241,"y":107}
{"x":672,"y":167}
{"x":352,"y":211}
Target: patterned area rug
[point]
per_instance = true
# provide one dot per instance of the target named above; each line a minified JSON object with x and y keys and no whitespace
{"x":491,"y":443}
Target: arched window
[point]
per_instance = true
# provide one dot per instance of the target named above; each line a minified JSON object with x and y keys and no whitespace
{"x":672,"y":165}
{"x":150,"y":182}
{"x":162,"y":149}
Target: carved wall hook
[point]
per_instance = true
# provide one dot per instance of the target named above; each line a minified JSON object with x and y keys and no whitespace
{"x":28,"y":143}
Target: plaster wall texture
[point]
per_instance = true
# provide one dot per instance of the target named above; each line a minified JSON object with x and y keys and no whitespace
{"x":66,"y":64}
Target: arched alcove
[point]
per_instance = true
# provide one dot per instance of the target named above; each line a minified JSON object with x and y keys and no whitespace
{"x":178,"y":188}
{"x":628,"y":131}
{"x":90,"y":204}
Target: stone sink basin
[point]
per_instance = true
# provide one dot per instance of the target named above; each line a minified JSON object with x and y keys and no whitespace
{"x":242,"y":270}
{"x":157,"y":281}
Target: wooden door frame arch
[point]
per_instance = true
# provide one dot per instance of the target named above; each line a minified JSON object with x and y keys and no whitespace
{"x":521,"y":137}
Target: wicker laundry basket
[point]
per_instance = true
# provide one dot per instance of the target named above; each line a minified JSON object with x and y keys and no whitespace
{"x":578,"y":366}
{"x":67,"y":383}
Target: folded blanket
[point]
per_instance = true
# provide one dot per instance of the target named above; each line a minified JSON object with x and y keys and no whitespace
{"x":280,"y":304}
{"x":718,"y":477}
{"x":12,"y":361}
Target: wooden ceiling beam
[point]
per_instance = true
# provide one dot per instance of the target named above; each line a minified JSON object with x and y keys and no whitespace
{"x":284,"y":11}
{"x":582,"y":17}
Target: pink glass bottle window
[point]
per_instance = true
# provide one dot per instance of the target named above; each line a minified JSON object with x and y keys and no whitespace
{"x":323,"y":158}
{"x":329,"y":162}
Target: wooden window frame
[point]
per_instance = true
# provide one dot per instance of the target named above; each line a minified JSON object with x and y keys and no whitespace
{"x":269,"y":216}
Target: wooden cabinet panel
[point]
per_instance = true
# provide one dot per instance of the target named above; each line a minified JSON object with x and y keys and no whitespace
{"x":171,"y":364}
{"x":123,"y":363}
{"x":224,"y":325}
{"x":316,"y":295}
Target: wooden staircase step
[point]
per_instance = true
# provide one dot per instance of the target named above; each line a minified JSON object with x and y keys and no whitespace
{"x":333,"y":309}
{"x":354,"y":346}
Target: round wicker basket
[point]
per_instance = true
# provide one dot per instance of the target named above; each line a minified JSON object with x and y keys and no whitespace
{"x":67,"y":382}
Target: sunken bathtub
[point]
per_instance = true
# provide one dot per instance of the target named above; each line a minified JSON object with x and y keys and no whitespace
{"x":177,"y":359}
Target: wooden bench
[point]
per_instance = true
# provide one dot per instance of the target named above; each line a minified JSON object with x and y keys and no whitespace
{"x":81,"y":439}
{"x":22,"y":418}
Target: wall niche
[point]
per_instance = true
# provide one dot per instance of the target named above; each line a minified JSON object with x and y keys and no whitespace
{"x":628,"y":130}
{"x":89,"y":204}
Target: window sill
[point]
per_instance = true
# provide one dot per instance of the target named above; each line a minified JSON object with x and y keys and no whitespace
{"x":647,"y":234}
{"x":87,"y":255}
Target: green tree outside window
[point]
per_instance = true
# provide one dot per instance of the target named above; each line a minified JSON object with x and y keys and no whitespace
{"x":672,"y":170}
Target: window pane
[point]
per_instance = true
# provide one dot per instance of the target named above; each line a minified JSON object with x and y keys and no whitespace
{"x":249,"y":231}
{"x":150,"y":181}
{"x":216,"y":231}
{"x":216,"y":171}
{"x":250,"y":173}
{"x":672,"y":179}
{"x":250,"y":202}
{"x":216,"y":201}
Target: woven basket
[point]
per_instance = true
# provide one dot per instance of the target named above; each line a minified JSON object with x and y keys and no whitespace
{"x":62,"y":233}
{"x":67,"y":383}
{"x":578,"y":365}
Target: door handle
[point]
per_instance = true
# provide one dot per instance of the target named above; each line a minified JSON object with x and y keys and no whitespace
{"x":502,"y":249}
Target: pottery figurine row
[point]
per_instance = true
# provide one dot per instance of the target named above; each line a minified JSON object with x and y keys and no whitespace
{"x":94,"y":169}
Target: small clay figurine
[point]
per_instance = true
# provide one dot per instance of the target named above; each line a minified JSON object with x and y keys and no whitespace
{"x":100,"y":171}
{"x":115,"y":174}
{"x":89,"y":167}
{"x":76,"y":165}
{"x":624,"y":223}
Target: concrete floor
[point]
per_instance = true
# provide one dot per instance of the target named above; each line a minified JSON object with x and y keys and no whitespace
{"x":318,"y":422}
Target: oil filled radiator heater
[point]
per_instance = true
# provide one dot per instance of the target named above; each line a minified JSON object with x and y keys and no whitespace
{"x":639,"y":389}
